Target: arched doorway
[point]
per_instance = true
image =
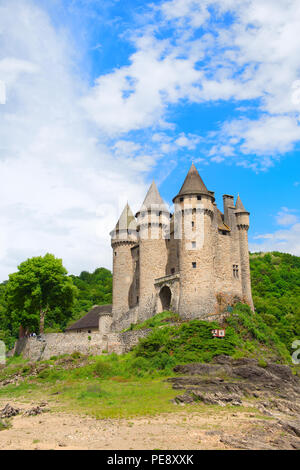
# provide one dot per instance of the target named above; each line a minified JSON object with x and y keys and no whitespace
{"x":165,"y":298}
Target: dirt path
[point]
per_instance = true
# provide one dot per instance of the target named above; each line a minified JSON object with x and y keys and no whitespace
{"x":182,"y":430}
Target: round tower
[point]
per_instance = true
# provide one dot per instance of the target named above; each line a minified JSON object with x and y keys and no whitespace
{"x":194,"y":212}
{"x":242,"y":222}
{"x":123,"y":239}
{"x":152,"y":225}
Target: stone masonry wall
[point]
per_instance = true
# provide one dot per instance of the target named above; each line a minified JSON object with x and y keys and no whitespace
{"x":56,"y":344}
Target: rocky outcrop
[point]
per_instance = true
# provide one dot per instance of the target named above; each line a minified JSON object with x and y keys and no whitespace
{"x":272,"y":389}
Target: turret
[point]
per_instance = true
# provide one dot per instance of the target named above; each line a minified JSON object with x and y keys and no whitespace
{"x":194,"y":209}
{"x":242,"y":216}
{"x":153,"y":226}
{"x":242,"y":223}
{"x":123,"y":238}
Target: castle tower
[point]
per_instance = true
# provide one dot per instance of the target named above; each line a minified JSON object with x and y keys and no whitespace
{"x":152,"y":224}
{"x":123,"y":238}
{"x":242,"y":222}
{"x":194,"y":212}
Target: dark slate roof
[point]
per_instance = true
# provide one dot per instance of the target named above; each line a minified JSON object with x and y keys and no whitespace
{"x":91,"y":319}
{"x":193,"y":183}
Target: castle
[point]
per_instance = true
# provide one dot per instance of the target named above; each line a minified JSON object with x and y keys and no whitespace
{"x":194,"y":262}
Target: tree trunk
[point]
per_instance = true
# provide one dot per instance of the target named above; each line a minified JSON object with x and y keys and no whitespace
{"x":42,"y":321}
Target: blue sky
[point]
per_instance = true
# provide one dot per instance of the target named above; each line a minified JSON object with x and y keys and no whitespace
{"x":104,"y":96}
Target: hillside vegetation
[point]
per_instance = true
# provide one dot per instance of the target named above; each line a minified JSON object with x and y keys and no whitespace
{"x":93,"y":288}
{"x":275,"y":281}
{"x":273,"y":328}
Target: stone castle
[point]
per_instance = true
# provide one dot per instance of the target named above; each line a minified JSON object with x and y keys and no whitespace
{"x":194,"y":262}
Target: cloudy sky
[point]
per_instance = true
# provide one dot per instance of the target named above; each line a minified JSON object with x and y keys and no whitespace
{"x":102,"y":96}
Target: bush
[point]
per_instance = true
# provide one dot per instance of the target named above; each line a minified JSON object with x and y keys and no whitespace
{"x":103,"y":369}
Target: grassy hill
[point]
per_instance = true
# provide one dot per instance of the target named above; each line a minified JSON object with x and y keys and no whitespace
{"x":276,"y":293}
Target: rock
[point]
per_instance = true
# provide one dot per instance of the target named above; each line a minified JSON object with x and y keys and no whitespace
{"x":253,"y":373}
{"x":8,"y":411}
{"x":291,"y":426}
{"x":36,"y":410}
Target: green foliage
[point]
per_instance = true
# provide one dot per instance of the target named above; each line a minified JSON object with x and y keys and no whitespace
{"x":275,"y":325}
{"x":275,"y":279}
{"x":39,"y":290}
{"x":93,"y":289}
{"x":158,"y":320}
{"x":189,"y":342}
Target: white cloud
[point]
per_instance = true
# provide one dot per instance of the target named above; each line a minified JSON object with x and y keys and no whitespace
{"x":286,"y":217}
{"x":287,"y":241}
{"x":135,"y":96}
{"x":254,"y":56}
{"x":61,"y":189}
{"x":61,"y":186}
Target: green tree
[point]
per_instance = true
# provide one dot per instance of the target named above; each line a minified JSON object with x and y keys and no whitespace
{"x":40,"y":289}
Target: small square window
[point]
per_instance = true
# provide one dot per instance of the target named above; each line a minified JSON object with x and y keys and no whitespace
{"x":181,"y":199}
{"x":199,"y":198}
{"x":194,"y":264}
{"x":172,"y":270}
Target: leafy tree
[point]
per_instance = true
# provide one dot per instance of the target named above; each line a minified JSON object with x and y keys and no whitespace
{"x":40,"y":289}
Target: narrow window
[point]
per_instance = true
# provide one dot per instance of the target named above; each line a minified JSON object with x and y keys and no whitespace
{"x":199,"y":198}
{"x":181,"y":199}
{"x":115,"y":253}
{"x":193,"y":224}
{"x":193,"y":244}
{"x":235,"y":271}
{"x":194,"y":264}
{"x":172,"y":270}
{"x":137,"y":299}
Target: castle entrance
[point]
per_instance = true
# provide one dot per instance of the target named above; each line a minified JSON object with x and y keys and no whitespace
{"x":165,"y":298}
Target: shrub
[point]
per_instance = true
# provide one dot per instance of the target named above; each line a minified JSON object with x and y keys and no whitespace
{"x":103,"y":369}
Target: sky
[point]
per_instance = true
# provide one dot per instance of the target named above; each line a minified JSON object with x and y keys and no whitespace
{"x":100,"y":97}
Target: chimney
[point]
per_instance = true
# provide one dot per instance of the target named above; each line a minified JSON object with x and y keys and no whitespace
{"x":228,"y":203}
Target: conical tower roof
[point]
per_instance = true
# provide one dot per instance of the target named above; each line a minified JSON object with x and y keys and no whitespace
{"x":153,"y":199}
{"x":239,"y":206}
{"x":193,"y":183}
{"x":126,"y":221}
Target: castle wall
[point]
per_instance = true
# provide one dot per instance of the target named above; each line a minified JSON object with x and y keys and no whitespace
{"x":56,"y":344}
